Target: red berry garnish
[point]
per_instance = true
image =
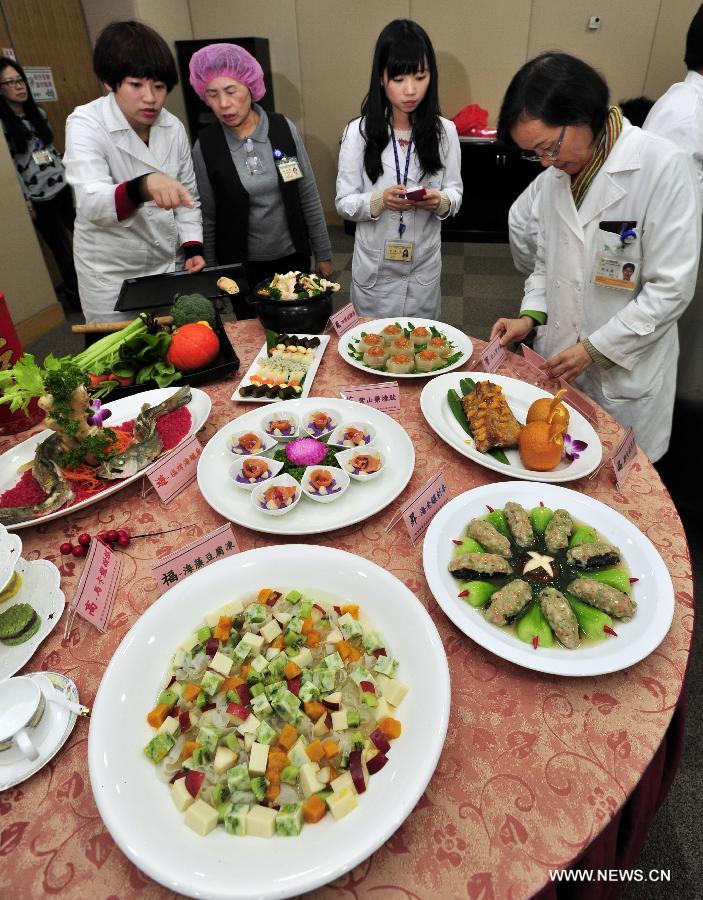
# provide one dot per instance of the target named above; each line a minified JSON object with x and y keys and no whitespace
{"x":66,"y":548}
{"x":122,"y":534}
{"x":80,"y":551}
{"x":111,"y":536}
{"x":84,"y":539}
{"x":101,"y":536}
{"x":123,"y":541}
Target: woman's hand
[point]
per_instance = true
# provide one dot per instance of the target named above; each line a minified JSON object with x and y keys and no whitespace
{"x":568,"y":364}
{"x":324,"y":268}
{"x":512,"y":330}
{"x":194,"y":264}
{"x":430,"y":201}
{"x":167,"y":193}
{"x":394,"y":198}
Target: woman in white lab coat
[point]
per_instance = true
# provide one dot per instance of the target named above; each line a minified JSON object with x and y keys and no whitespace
{"x":612,"y":195}
{"x":128,"y":162}
{"x":399,"y":146}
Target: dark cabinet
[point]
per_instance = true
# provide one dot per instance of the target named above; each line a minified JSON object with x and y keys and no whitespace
{"x":494,"y":176}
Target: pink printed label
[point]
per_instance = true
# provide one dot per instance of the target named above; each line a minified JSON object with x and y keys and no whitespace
{"x":181,"y":563}
{"x":384,"y":396}
{"x":579,"y":402}
{"x":98,"y":585}
{"x":344,"y":319}
{"x":422,"y":507}
{"x":492,"y":355}
{"x":175,"y":471}
{"x":533,"y":360}
{"x":624,"y":457}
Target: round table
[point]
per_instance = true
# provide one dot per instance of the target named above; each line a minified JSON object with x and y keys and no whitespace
{"x":538,"y":772}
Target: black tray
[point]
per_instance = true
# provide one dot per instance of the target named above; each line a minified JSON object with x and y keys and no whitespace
{"x":226,"y":363}
{"x":152,"y":292}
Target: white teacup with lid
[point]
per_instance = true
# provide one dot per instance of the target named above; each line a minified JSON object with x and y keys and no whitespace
{"x":22,"y":706}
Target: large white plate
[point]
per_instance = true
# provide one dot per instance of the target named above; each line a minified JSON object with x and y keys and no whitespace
{"x":359,"y":502}
{"x":137,"y":808}
{"x":654,"y":592}
{"x":458,"y":338}
{"x":122,"y":411}
{"x":520,"y":396}
{"x":309,"y":375}
{"x":41,"y":588}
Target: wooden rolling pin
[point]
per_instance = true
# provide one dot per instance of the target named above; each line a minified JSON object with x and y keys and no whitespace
{"x":108,"y":327}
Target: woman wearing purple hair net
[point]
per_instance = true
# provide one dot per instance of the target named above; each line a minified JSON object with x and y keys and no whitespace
{"x":257,"y":189}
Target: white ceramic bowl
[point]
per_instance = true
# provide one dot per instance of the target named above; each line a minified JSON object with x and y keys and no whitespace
{"x":267,"y":442}
{"x":278,"y":435}
{"x":257,"y":495}
{"x":337,"y":436}
{"x":341,"y":479}
{"x":236,"y":471}
{"x":346,"y":456}
{"x":306,"y":423}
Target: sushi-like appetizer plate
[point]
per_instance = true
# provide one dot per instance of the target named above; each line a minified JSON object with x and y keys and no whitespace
{"x":263,"y":354}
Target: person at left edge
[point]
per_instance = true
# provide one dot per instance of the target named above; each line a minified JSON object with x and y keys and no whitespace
{"x":253,"y":212}
{"x":128,"y":162}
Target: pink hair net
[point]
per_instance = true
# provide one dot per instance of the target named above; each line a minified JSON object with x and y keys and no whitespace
{"x":229,"y":60}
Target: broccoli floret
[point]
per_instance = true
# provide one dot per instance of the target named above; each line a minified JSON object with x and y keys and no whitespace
{"x":192,"y":308}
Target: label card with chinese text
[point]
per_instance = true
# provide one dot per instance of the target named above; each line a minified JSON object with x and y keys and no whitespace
{"x":182,"y":563}
{"x":534,"y":361}
{"x":492,"y":355}
{"x":573,"y":397}
{"x":384,"y":396}
{"x":98,"y":585}
{"x":174,"y":472}
{"x":624,"y":457}
{"x":421,"y":508}
{"x":344,"y":319}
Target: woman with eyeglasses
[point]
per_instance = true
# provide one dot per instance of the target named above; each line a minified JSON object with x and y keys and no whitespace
{"x":40,"y":171}
{"x":612,"y":194}
{"x":258,"y":192}
{"x":399,"y":176}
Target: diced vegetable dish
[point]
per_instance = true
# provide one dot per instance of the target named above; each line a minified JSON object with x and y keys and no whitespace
{"x":275,"y":713}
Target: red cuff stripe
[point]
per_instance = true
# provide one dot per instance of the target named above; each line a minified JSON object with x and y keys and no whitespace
{"x":123,"y":205}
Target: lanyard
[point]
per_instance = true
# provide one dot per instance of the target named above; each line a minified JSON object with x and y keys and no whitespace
{"x":402,"y":226}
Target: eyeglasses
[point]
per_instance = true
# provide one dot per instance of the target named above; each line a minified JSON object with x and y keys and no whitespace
{"x":550,"y":156}
{"x":17,"y":82}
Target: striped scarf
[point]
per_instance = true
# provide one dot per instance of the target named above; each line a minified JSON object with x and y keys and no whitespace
{"x":582,"y":181}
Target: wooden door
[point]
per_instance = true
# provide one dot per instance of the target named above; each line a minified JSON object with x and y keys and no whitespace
{"x":53,"y":34}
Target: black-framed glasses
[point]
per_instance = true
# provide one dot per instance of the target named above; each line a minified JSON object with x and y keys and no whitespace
{"x":17,"y":82}
{"x":550,"y":156}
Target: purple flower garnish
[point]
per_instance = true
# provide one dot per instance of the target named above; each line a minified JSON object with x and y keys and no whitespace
{"x":97,"y":413}
{"x":573,"y":448}
{"x":306,"y":452}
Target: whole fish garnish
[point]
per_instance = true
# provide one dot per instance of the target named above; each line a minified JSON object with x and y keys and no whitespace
{"x":48,"y":474}
{"x":147,"y":443}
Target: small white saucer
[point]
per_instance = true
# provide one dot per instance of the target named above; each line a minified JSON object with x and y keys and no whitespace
{"x":50,"y":735}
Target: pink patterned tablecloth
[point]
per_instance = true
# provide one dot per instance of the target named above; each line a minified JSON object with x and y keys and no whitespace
{"x":534,"y":766}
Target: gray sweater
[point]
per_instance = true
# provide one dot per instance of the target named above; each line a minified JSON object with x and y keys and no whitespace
{"x":269,"y":237}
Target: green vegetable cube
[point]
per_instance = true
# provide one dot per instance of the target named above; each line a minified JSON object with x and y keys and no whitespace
{"x":255,"y":614}
{"x":260,"y":705}
{"x":305,"y":609}
{"x":238,"y":778}
{"x":361,"y":673}
{"x":293,"y":596}
{"x":242,"y":650}
{"x":334,"y":661}
{"x":349,"y":626}
{"x":273,"y":689}
{"x":233,"y":696}
{"x":169,"y":697}
{"x":220,"y":795}
{"x":200,"y":757}
{"x":372,"y":641}
{"x":370,"y":700}
{"x":203,"y":634}
{"x":159,"y":746}
{"x":211,"y":682}
{"x":386,"y":665}
{"x":257,"y":689}
{"x":265,"y":734}
{"x":277,"y":664}
{"x":353,"y":718}
{"x":208,"y":737}
{"x":286,"y":705}
{"x":232,"y":742}
{"x":308,"y":691}
{"x":289,"y":821}
{"x":357,"y":741}
{"x":291,"y":638}
{"x":259,"y":664}
{"x":295,"y":624}
{"x":324,"y":679}
{"x":236,"y":818}
{"x":201,"y":700}
{"x":258,"y":786}
{"x":289,"y":775}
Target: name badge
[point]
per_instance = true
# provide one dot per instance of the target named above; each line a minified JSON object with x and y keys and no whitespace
{"x":42,"y":157}
{"x":289,"y":168}
{"x":399,"y":251}
{"x":618,"y":271}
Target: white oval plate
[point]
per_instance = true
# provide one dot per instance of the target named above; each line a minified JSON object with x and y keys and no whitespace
{"x":654,"y":592}
{"x":520,"y":396}
{"x":458,"y":338}
{"x":40,"y":588}
{"x":136,"y":806}
{"x":357,"y":504}
{"x":122,"y":411}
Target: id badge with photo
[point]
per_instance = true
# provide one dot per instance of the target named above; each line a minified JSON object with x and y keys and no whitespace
{"x":42,"y":157}
{"x":289,"y":167}
{"x":616,"y":270}
{"x":399,"y":251}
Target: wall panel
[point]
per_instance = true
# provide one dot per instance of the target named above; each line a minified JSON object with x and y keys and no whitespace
{"x":666,"y":63}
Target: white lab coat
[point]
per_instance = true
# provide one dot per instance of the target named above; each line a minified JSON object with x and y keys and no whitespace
{"x":648,"y":180}
{"x":678,"y":115}
{"x":102,"y":151}
{"x":381,"y":287}
{"x":523,"y":226}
